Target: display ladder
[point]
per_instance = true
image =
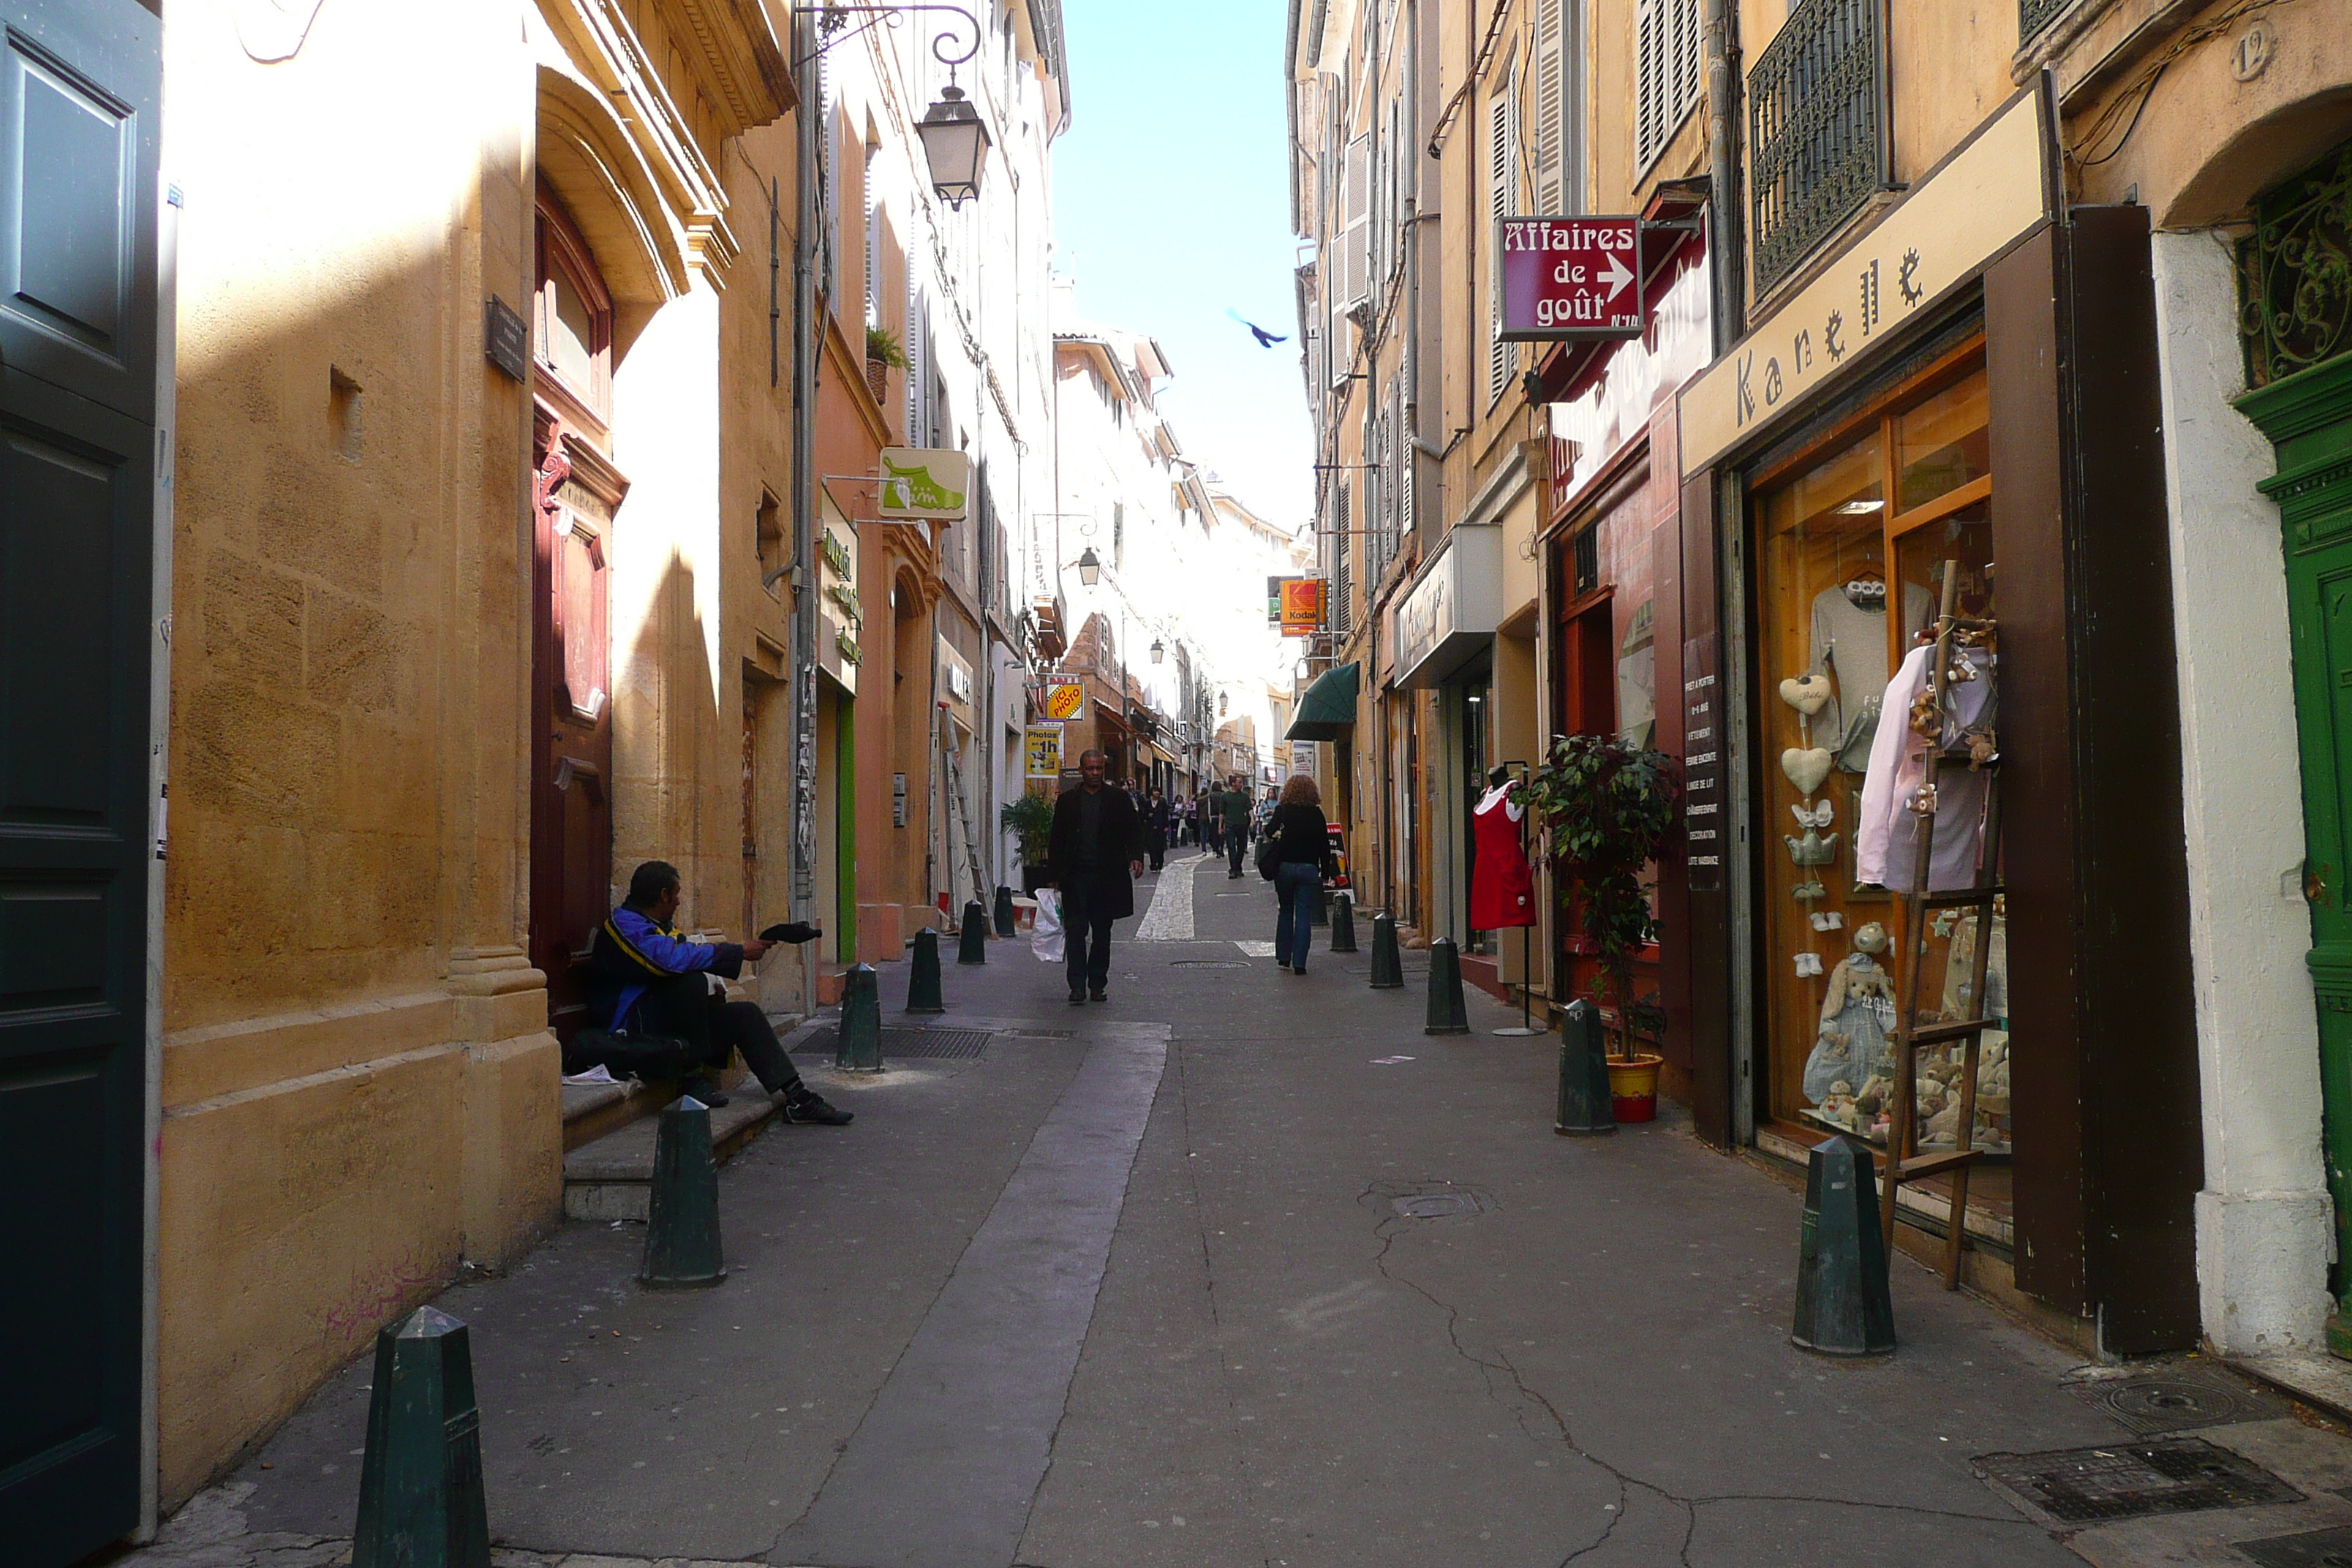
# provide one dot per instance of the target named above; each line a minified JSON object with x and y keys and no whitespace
{"x":1904,"y":1162}
{"x":964,"y":820}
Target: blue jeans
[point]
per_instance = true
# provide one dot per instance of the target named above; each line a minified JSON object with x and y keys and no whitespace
{"x":1295,"y":883}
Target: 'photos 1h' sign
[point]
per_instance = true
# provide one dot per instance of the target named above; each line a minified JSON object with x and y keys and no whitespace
{"x":1570,"y":277}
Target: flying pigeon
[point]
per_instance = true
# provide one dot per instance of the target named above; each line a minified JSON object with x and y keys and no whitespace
{"x":1265,"y":339}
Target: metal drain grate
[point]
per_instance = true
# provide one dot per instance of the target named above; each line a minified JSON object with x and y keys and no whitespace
{"x":900,"y":1044}
{"x":2308,"y":1550}
{"x":2315,"y":1549}
{"x":2180,"y":1399}
{"x":2133,"y":1480}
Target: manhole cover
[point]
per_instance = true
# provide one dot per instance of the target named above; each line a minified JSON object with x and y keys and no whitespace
{"x":2133,"y":1480}
{"x":1040,"y":1034}
{"x":1435,"y":1206}
{"x":1206,"y":963}
{"x":2181,"y":1399}
{"x":899,"y":1044}
{"x":2317,"y":1548}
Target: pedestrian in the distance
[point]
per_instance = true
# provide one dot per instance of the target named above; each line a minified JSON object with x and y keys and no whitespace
{"x":1093,"y":854}
{"x":1234,"y":807}
{"x":1297,"y":831}
{"x":1156,"y":820}
{"x":1213,"y":820}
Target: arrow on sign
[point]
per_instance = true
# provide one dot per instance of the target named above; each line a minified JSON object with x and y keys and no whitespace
{"x":1618,"y":275}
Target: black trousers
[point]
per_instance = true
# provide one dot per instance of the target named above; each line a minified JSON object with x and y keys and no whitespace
{"x":1085,"y":933}
{"x":713,"y":1027}
{"x":1158,"y":849}
{"x":1236,"y":842}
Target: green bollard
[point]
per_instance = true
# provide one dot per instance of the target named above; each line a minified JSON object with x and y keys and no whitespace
{"x":682,"y":1249}
{"x":923,"y":993}
{"x":1007,"y":925}
{"x":1843,"y":1306}
{"x":421,"y":1502}
{"x":973,"y":948}
{"x":1388,"y":967}
{"x":1447,"y":1015}
{"x":860,"y":1046}
{"x":1343,"y":924}
{"x":1585,"y":1108}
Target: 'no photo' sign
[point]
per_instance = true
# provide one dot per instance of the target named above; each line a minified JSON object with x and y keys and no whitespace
{"x":1570,"y":277}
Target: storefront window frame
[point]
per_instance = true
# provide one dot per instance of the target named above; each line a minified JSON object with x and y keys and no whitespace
{"x":1876,"y":410}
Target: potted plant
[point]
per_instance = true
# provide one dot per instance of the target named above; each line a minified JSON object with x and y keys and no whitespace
{"x":1031,"y":817}
{"x":1604,"y":806}
{"x":882,"y":355}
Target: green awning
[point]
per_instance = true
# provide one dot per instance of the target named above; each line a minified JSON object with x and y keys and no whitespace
{"x":1329,"y":706}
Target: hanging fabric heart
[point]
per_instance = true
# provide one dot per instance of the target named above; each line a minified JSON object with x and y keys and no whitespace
{"x":1808,"y":694}
{"x":1806,"y":768}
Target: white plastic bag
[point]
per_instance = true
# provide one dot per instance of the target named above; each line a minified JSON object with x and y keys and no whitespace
{"x":1045,"y":938}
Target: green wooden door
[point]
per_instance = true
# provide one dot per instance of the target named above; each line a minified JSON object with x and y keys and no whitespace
{"x":2309,"y":417}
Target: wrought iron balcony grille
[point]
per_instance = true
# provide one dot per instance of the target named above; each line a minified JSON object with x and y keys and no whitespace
{"x":1817,"y":122}
{"x":2033,"y":15}
{"x":2295,"y":272}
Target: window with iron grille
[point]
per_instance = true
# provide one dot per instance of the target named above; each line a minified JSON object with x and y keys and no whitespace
{"x":2033,"y":15}
{"x":1669,"y":69}
{"x":1585,"y":558}
{"x":1817,"y":125}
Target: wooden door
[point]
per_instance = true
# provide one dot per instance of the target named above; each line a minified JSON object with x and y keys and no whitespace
{"x":572,"y":712}
{"x":79,"y":85}
{"x":2317,"y":511}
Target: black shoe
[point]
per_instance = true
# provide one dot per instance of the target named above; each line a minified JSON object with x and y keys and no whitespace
{"x":705,"y":1090}
{"x":1097,"y":996}
{"x":804,"y":1104}
{"x":1077,"y":998}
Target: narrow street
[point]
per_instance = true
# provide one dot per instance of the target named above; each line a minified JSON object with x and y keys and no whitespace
{"x":1134,"y":1287}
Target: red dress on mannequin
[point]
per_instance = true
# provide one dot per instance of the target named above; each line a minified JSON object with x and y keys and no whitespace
{"x":1501,"y":893}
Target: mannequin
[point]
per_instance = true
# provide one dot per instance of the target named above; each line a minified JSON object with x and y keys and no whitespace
{"x":1502,"y":895}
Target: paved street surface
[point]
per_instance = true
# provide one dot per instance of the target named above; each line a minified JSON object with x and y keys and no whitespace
{"x":1135,"y":1288}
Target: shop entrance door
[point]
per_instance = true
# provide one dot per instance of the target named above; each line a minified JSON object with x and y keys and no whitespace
{"x":81,"y":85}
{"x":571,"y":734}
{"x":2317,"y":511}
{"x":1477,"y":695}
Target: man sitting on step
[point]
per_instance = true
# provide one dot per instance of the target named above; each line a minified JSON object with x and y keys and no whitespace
{"x":653,"y":981}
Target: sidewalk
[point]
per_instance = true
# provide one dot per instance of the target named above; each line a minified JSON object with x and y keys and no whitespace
{"x":1135,"y":1288}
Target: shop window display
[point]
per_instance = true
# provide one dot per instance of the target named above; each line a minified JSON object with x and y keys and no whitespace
{"x":1853,"y":548}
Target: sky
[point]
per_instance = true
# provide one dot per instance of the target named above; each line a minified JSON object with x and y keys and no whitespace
{"x":1172,"y":205}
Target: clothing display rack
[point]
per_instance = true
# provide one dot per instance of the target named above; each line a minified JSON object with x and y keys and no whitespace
{"x":1904,"y":1162}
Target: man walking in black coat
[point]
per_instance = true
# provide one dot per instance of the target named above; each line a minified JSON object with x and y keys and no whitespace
{"x":1092,"y":855}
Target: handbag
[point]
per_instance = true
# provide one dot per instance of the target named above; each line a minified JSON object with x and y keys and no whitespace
{"x":1269,"y":857}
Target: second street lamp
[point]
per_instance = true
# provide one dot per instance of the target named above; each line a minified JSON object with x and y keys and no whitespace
{"x":1159,"y":651}
{"x":1089,"y":567}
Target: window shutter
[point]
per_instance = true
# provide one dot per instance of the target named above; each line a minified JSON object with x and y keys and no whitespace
{"x":1501,"y":113}
{"x":1358,"y":198}
{"x":1342,"y":561}
{"x":1650,"y":80}
{"x":1550,"y":52}
{"x":1688,"y":66}
{"x":918,"y":371}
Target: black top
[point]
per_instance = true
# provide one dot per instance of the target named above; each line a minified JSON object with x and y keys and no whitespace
{"x":1298,"y":830}
{"x":1118,"y":835}
{"x":1085,"y":844}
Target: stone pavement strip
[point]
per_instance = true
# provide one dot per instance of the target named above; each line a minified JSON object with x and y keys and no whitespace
{"x":1146,"y":1285}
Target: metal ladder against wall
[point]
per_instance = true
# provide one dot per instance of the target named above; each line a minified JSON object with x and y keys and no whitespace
{"x":954,"y":776}
{"x":1904,"y":1162}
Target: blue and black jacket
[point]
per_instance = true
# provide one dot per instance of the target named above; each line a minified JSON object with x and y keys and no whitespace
{"x":634,"y":953}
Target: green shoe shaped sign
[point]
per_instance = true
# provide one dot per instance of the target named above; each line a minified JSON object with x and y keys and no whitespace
{"x":925,"y":483}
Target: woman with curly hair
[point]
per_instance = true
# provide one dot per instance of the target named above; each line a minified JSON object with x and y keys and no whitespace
{"x":1301,"y":843}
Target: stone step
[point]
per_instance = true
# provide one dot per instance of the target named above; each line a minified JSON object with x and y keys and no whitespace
{"x":612,"y":1177}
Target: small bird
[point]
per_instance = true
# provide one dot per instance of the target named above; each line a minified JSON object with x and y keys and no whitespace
{"x":1265,"y":339}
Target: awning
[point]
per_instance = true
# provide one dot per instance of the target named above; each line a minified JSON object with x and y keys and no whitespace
{"x":1329,"y":706}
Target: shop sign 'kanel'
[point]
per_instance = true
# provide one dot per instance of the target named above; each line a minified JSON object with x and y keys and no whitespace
{"x":1570,"y":277}
{"x":925,"y":482}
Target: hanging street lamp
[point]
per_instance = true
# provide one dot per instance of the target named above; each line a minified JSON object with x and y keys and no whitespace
{"x":1159,"y":651}
{"x":1089,"y":567}
{"x":956,"y":143}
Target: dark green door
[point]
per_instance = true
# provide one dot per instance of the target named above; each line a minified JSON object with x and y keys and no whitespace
{"x":79,"y":85}
{"x":2309,"y":415}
